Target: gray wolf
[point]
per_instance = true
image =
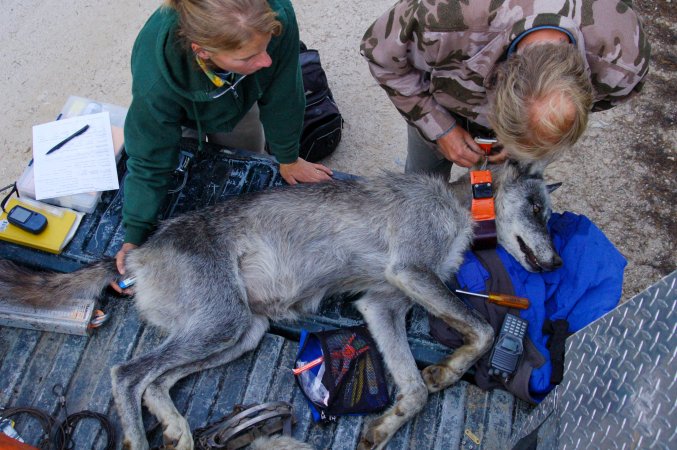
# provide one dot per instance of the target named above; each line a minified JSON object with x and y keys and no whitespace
{"x":214,"y":278}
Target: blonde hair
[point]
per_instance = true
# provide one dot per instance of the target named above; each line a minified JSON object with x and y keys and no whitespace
{"x":223,"y":25}
{"x":540,"y":101}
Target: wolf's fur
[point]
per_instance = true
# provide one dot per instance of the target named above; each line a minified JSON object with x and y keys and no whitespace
{"x":278,"y":443}
{"x":213,"y":279}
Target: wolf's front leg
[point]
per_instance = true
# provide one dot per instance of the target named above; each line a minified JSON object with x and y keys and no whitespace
{"x":426,"y":289}
{"x":385,"y":316}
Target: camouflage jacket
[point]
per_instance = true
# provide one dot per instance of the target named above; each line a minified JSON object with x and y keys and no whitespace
{"x":433,"y":56}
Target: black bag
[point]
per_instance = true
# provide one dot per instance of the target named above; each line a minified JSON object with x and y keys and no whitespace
{"x":340,"y":372}
{"x":322,"y":122}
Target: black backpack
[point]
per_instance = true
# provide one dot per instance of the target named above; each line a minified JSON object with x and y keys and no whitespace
{"x":322,"y":123}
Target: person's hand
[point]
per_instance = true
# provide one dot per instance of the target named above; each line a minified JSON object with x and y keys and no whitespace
{"x":459,"y":147}
{"x":120,"y":264}
{"x":302,"y":171}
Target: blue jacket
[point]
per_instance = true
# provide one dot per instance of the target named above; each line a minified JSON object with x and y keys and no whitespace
{"x":587,"y":286}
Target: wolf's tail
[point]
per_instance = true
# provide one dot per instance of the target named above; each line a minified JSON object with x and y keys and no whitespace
{"x":23,"y":286}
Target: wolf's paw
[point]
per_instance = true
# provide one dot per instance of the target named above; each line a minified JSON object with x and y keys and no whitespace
{"x":373,"y":437}
{"x":368,"y":442}
{"x":438,"y":377}
{"x":176,"y":436}
{"x":364,"y":444}
{"x":128,"y":445}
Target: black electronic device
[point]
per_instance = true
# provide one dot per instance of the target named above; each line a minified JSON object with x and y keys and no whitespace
{"x":26,"y":219}
{"x":482,"y":190}
{"x":509,"y":347}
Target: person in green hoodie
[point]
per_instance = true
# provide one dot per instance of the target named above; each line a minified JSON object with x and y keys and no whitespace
{"x":228,"y":69}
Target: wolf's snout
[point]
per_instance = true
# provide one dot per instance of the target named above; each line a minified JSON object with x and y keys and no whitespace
{"x":555,"y":263}
{"x":538,"y":262}
{"x":546,"y":266}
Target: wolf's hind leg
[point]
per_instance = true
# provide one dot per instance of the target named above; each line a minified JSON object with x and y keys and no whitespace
{"x":176,"y":431}
{"x":186,"y":346}
{"x":426,"y":289}
{"x":385,"y":314}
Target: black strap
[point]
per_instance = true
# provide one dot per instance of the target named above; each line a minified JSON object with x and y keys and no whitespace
{"x":4,"y":200}
{"x":499,"y":278}
{"x":52,"y":430}
{"x":485,"y":237}
{"x":475,"y":129}
{"x":72,"y":420}
{"x":559,"y":332}
{"x":57,"y":435}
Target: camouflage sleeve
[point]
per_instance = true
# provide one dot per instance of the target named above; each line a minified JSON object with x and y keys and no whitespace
{"x":386,"y":46}
{"x":620,"y":62}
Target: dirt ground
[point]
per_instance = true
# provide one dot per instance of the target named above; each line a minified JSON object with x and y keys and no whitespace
{"x":622,"y":174}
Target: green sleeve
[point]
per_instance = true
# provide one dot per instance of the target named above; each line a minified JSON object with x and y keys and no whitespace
{"x":151,"y":142}
{"x":282,"y":105}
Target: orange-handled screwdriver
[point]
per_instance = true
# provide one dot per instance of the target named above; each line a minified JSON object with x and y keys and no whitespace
{"x":511,"y":301}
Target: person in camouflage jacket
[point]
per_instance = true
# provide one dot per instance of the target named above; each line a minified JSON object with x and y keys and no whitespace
{"x":438,"y":61}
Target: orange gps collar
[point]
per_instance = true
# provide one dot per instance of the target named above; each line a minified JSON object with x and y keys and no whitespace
{"x":482,"y":195}
{"x":482,"y":207}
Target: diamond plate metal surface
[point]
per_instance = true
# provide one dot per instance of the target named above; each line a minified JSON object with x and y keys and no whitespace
{"x":545,"y":410}
{"x":620,"y":380}
{"x":619,"y":388}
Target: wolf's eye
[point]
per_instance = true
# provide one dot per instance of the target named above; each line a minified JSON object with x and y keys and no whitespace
{"x":537,"y":209}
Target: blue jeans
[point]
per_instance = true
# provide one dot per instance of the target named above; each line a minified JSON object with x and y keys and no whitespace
{"x":424,"y":155}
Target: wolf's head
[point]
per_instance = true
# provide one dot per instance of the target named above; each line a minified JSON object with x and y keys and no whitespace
{"x":522,"y":212}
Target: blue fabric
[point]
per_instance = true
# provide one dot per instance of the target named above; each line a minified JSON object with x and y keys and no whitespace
{"x":310,"y":352}
{"x":587,"y":286}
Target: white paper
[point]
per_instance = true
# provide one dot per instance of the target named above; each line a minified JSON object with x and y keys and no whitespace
{"x":84,"y":164}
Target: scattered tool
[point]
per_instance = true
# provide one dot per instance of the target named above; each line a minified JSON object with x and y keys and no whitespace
{"x":27,"y":219}
{"x":127,"y":282}
{"x":509,"y":347}
{"x":511,"y":301}
{"x":315,"y":362}
{"x":67,"y":140}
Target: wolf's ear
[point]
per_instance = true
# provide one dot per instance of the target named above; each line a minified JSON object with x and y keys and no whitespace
{"x":552,"y":187}
{"x":527,"y":169}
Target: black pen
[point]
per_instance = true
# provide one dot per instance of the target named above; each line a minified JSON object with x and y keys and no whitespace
{"x":65,"y":141}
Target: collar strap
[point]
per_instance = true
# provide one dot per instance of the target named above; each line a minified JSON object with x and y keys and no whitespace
{"x":482,"y":209}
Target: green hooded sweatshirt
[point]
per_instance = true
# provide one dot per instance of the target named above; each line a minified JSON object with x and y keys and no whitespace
{"x":170,"y":91}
